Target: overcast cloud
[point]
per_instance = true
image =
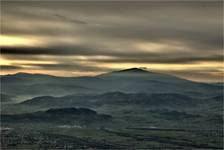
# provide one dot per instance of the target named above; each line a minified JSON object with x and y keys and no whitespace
{"x":98,"y":36}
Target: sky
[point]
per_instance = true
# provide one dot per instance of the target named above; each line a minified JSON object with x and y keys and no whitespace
{"x":72,"y":38}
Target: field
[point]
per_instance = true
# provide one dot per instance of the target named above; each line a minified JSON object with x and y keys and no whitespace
{"x":49,"y":136}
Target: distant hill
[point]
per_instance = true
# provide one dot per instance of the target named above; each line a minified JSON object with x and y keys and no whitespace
{"x":133,"y":80}
{"x":134,"y":108}
{"x":114,"y":98}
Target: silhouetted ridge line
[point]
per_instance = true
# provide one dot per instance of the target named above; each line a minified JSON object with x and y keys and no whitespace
{"x":134,"y":70}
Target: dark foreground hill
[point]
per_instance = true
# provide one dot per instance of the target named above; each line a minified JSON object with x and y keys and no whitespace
{"x":78,"y":116}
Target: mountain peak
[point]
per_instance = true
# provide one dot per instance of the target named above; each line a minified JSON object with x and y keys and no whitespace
{"x":134,"y":70}
{"x":125,"y":72}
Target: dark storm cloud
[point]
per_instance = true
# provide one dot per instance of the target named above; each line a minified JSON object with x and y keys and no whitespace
{"x":26,"y":51}
{"x":118,"y":57}
{"x":79,"y":50}
{"x":10,"y":67}
{"x":33,"y":51}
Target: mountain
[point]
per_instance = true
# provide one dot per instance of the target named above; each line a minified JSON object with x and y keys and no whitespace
{"x":134,"y":109}
{"x":132,"y":80}
{"x":127,"y":106}
{"x":134,"y":71}
{"x":26,"y":85}
{"x":117,"y":100}
{"x":135,"y":80}
{"x":71,"y":115}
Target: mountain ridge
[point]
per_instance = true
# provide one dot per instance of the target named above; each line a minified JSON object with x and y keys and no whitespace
{"x":132,"y":80}
{"x":59,"y":115}
{"x":128,"y":70}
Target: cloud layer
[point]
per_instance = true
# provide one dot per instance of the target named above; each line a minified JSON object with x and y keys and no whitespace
{"x":97,"y":37}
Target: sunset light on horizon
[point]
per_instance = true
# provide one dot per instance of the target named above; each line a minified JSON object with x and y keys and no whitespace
{"x":104,"y":37}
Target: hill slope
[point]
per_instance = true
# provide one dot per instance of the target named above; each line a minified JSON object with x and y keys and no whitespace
{"x":71,"y":115}
{"x":132,"y":80}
